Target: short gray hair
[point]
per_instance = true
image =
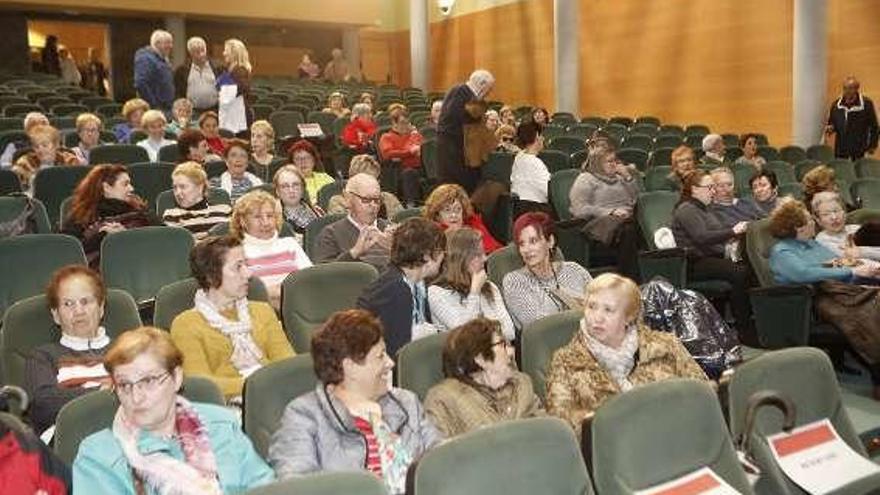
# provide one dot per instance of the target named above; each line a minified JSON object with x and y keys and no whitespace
{"x":823,"y":197}
{"x":195,"y":41}
{"x":481,"y":80}
{"x":158,"y":35}
{"x":361,"y":109}
{"x":710,"y":140}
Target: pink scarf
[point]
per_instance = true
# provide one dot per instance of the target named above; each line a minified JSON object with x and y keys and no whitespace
{"x":196,"y":474}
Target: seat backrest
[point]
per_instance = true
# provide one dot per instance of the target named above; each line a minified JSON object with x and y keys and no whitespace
{"x":304,"y":301}
{"x":540,"y":340}
{"x":658,"y":443}
{"x":326,"y":483}
{"x":554,"y":160}
{"x":27,"y":263}
{"x":492,"y":460}
{"x":268,"y":391}
{"x":499,"y":167}
{"x":863,"y":215}
{"x":560,"y":188}
{"x":52,"y":185}
{"x":145,"y":259}
{"x":406,"y":213}
{"x":150,"y":179}
{"x":313,"y":231}
{"x":806,"y":377}
{"x":868,"y":167}
{"x":12,"y":206}
{"x":177,"y":297}
{"x":95,"y":411}
{"x":9,"y":182}
{"x":867,"y":193}
{"x":820,"y":152}
{"x":420,"y":364}
{"x":759,"y":240}
{"x":636,"y":156}
{"x":503,"y":261}
{"x":28,"y":324}
{"x":118,"y":153}
{"x":654,"y":210}
{"x":169,"y":153}
{"x":327,"y":192}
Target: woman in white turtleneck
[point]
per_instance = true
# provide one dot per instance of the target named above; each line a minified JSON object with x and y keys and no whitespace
{"x":256,"y":220}
{"x":59,"y":372}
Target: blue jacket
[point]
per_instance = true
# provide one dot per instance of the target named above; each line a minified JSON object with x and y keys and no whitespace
{"x":101,"y":467}
{"x":793,"y":261}
{"x":153,"y":78}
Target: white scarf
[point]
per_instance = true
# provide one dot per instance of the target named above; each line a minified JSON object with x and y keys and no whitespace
{"x":619,"y":363}
{"x":246,"y":354}
{"x":226,"y":181}
{"x":99,"y":341}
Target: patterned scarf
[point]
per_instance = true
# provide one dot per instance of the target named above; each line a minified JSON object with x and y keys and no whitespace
{"x":195,"y":474}
{"x":246,"y":354}
{"x":619,"y":363}
{"x":393,"y":455}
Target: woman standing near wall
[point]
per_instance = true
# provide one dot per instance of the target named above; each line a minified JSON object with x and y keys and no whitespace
{"x":234,"y":85}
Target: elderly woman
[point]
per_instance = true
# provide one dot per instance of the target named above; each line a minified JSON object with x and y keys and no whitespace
{"x":234,"y":86}
{"x":236,"y":180}
{"x":193,"y":147}
{"x":262,"y":157}
{"x":192,"y":211}
{"x":181,"y":111}
{"x":750,"y":156}
{"x":765,"y":191}
{"x":482,"y":386}
{"x":225,"y":337}
{"x":713,"y":149}
{"x":336,"y":105}
{"x":402,"y":145}
{"x":305,"y":157}
{"x":542,"y":287}
{"x":605,"y":196}
{"x":683,"y":162}
{"x":358,"y":133}
{"x":104,"y":202}
{"x":88,"y":128}
{"x":464,"y":291}
{"x":299,"y":210}
{"x":821,"y":178}
{"x":45,"y":152}
{"x":154,"y":123}
{"x":59,"y":372}
{"x":209,"y":124}
{"x":159,"y":441}
{"x":132,"y":111}
{"x":711,"y":244}
{"x":353,"y":420}
{"x":367,"y":97}
{"x":836,"y":234}
{"x":507,"y":116}
{"x":493,"y":120}
{"x":256,"y":221}
{"x":506,"y":136}
{"x":449,"y":206}
{"x":799,"y":259}
{"x":612,"y":353}
{"x":366,"y":164}
{"x":529,"y":177}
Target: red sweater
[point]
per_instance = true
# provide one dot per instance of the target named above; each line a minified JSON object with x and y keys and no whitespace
{"x":357,"y":134}
{"x":475,"y":222}
{"x":403,"y":147}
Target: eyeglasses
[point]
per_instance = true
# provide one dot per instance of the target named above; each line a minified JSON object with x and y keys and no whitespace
{"x":376,"y":200}
{"x":506,"y":139}
{"x":145,"y":384}
{"x":504,"y":343}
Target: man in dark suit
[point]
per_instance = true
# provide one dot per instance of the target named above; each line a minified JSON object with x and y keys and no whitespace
{"x":399,"y":296}
{"x":853,"y":120}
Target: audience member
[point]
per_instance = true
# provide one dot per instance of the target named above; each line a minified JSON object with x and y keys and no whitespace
{"x":819,"y":179}
{"x":765,"y":191}
{"x":298,"y":209}
{"x":853,"y":121}
{"x":357,"y":135}
{"x":529,"y":177}
{"x":45,"y":152}
{"x":683,"y":162}
{"x":506,"y":136}
{"x":236,"y":180}
{"x":540,"y":116}
{"x":31,"y":120}
{"x":159,"y":441}
{"x":153,"y":123}
{"x":542,"y":287}
{"x":399,"y":297}
{"x":196,"y":79}
{"x":308,"y":69}
{"x":463,"y":292}
{"x":493,"y":121}
{"x":59,"y":372}
{"x":209,"y":124}
{"x":605,"y":196}
{"x":482,"y":385}
{"x":835,"y":233}
{"x":613,"y":352}
{"x":193,"y":147}
{"x":337,"y":69}
{"x":336,"y":105}
{"x":450,"y":129}
{"x":366,"y":164}
{"x":256,"y":220}
{"x":353,"y":420}
{"x":402,"y":145}
{"x":94,"y":73}
{"x":69,"y":70}
{"x":181,"y":113}
{"x":132,"y":111}
{"x":192,"y":210}
{"x":726,"y":206}
{"x":436,"y":108}
{"x":153,"y":77}
{"x":88,"y":128}
{"x":713,"y":149}
{"x":449,"y":206}
{"x":305,"y":157}
{"x":507,"y":116}
{"x":234,"y":86}
{"x":104,"y":202}
{"x":49,"y":56}
{"x":750,"y":156}
{"x":263,"y":158}
{"x":226,"y":337}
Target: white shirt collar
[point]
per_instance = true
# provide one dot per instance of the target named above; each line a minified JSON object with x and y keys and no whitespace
{"x":100,"y":341}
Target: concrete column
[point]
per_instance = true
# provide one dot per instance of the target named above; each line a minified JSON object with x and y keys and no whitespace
{"x":566,"y":54}
{"x":351,"y":49}
{"x":809,"y":69}
{"x":419,"y":44}
{"x":176,"y":25}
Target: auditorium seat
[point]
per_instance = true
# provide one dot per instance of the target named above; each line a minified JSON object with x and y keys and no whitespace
{"x":793,"y":189}
{"x":582,"y":131}
{"x":406,"y":213}
{"x":784,"y":171}
{"x":499,"y":167}
{"x":324,"y":483}
{"x":9,"y":182}
{"x":540,"y":339}
{"x":820,"y":152}
{"x":657,"y":179}
{"x":69,"y":109}
{"x":118,"y":154}
{"x":868,"y":167}
{"x":866,"y":193}
{"x":646,"y":129}
{"x":566,"y":144}
{"x":150,"y":180}
{"x":636,"y":156}
{"x":285,"y":123}
{"x":769,"y":153}
{"x":670,"y":141}
{"x":11,"y":207}
{"x":177,"y":297}
{"x":844,"y":169}
{"x":642,"y":142}
{"x":662,"y":156}
{"x":792,"y":154}
{"x":420,"y":364}
{"x":554,"y":160}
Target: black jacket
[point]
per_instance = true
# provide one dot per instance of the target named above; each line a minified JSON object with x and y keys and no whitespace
{"x":856,"y":130}
{"x":391,"y":300}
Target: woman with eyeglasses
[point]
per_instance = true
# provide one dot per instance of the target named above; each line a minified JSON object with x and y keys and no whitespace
{"x":506,"y":136}
{"x":353,"y":420}
{"x":543,"y":286}
{"x":159,"y":441}
{"x":712,"y":247}
{"x":612,"y":353}
{"x":304,"y":156}
{"x":482,"y":386}
{"x":448,"y":206}
{"x":299,"y":210}
{"x":59,"y":372}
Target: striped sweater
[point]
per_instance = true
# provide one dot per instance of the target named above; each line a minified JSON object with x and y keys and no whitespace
{"x":271,"y":260}
{"x":198,"y":218}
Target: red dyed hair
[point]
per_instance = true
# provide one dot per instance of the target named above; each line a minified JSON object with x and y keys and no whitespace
{"x":90,"y":190}
{"x":303,"y":145}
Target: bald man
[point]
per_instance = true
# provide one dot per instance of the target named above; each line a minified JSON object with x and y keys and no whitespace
{"x":853,"y":120}
{"x":450,"y":130}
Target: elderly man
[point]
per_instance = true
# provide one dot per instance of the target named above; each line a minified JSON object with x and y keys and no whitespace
{"x":854,"y":122}
{"x":726,"y":206}
{"x":196,"y":80}
{"x":153,"y":77}
{"x":450,"y":129}
{"x":337,"y":69}
{"x":713,"y":147}
{"x":361,"y":236}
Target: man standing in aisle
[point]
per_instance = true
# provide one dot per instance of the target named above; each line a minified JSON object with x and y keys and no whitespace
{"x":854,"y":122}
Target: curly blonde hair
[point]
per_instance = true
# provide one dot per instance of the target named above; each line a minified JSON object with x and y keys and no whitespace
{"x":248,"y":204}
{"x":821,"y":178}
